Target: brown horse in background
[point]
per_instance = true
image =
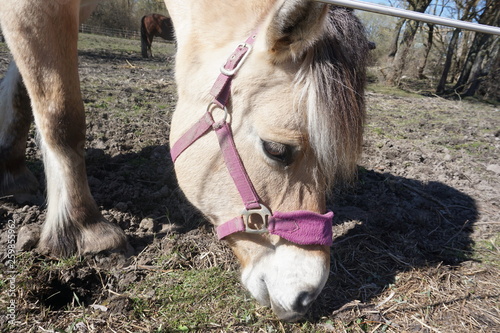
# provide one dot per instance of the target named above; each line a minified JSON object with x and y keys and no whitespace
{"x":154,"y":25}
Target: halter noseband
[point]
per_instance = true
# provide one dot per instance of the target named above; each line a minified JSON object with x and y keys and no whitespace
{"x":300,"y":227}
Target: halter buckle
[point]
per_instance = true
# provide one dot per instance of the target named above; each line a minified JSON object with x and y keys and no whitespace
{"x":256,"y":228}
{"x":231,"y":72}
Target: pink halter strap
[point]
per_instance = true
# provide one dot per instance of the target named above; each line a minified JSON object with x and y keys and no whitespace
{"x":300,"y":227}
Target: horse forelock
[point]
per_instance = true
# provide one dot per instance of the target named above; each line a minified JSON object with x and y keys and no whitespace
{"x":331,"y":88}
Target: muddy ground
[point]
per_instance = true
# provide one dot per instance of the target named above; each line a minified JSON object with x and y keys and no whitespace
{"x":416,"y":239}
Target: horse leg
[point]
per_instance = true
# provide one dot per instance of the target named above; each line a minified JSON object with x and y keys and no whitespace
{"x":150,"y":42}
{"x":15,"y":120}
{"x":144,"y":39}
{"x":144,"y":47}
{"x":43,"y":41}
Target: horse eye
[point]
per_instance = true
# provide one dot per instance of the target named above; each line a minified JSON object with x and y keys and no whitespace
{"x":278,"y":152}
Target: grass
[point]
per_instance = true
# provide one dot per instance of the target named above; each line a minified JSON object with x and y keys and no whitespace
{"x":405,"y":116}
{"x":89,"y":42}
{"x":389,"y":90}
{"x":178,"y":304}
{"x":61,"y":264}
{"x":488,"y":251}
{"x":4,"y":48}
{"x":165,"y":300}
{"x":472,"y":147}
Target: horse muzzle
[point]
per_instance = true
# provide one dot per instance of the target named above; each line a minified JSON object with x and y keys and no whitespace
{"x":288,"y":278}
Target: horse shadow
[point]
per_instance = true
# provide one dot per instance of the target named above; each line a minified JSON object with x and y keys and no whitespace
{"x":386,"y":225}
{"x":130,"y":187}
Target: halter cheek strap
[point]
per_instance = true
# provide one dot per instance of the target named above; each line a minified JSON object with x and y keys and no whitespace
{"x":300,"y":227}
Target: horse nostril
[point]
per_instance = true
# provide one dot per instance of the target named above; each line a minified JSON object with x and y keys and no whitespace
{"x":303,"y":301}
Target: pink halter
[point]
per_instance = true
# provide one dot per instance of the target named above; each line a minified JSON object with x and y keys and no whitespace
{"x":300,"y":227}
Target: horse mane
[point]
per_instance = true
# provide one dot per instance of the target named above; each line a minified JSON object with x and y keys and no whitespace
{"x":331,"y":86}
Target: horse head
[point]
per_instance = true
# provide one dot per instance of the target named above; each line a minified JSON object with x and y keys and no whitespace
{"x":295,"y":108}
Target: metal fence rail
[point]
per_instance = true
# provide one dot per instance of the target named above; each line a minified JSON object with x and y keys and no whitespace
{"x":408,"y":14}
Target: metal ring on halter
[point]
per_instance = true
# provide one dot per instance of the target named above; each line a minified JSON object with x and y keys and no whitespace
{"x":210,"y":107}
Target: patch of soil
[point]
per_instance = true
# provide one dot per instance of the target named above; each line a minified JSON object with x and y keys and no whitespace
{"x":57,"y":288}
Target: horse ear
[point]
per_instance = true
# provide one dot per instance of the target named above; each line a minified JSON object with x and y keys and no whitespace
{"x":293,"y":28}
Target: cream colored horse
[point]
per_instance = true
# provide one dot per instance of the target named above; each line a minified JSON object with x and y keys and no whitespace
{"x":296,"y":111}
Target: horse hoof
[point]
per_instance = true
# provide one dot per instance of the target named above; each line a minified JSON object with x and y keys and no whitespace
{"x":20,"y":185}
{"x":104,"y":236}
{"x":92,"y":238}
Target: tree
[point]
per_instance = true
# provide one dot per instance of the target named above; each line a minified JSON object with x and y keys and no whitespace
{"x":469,"y":10}
{"x":124,"y":14}
{"x":114,"y":14}
{"x":482,"y":58}
{"x":410,"y":30}
{"x":144,"y":7}
{"x":427,"y":50}
{"x":395,"y":39}
{"x":447,"y":64}
{"x":463,"y":48}
{"x":379,"y":29}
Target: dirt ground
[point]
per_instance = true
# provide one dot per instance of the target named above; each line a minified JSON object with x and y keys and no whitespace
{"x":416,"y":239}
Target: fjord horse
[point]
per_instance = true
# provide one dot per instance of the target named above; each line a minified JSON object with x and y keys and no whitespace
{"x":154,"y":25}
{"x":258,"y":140}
